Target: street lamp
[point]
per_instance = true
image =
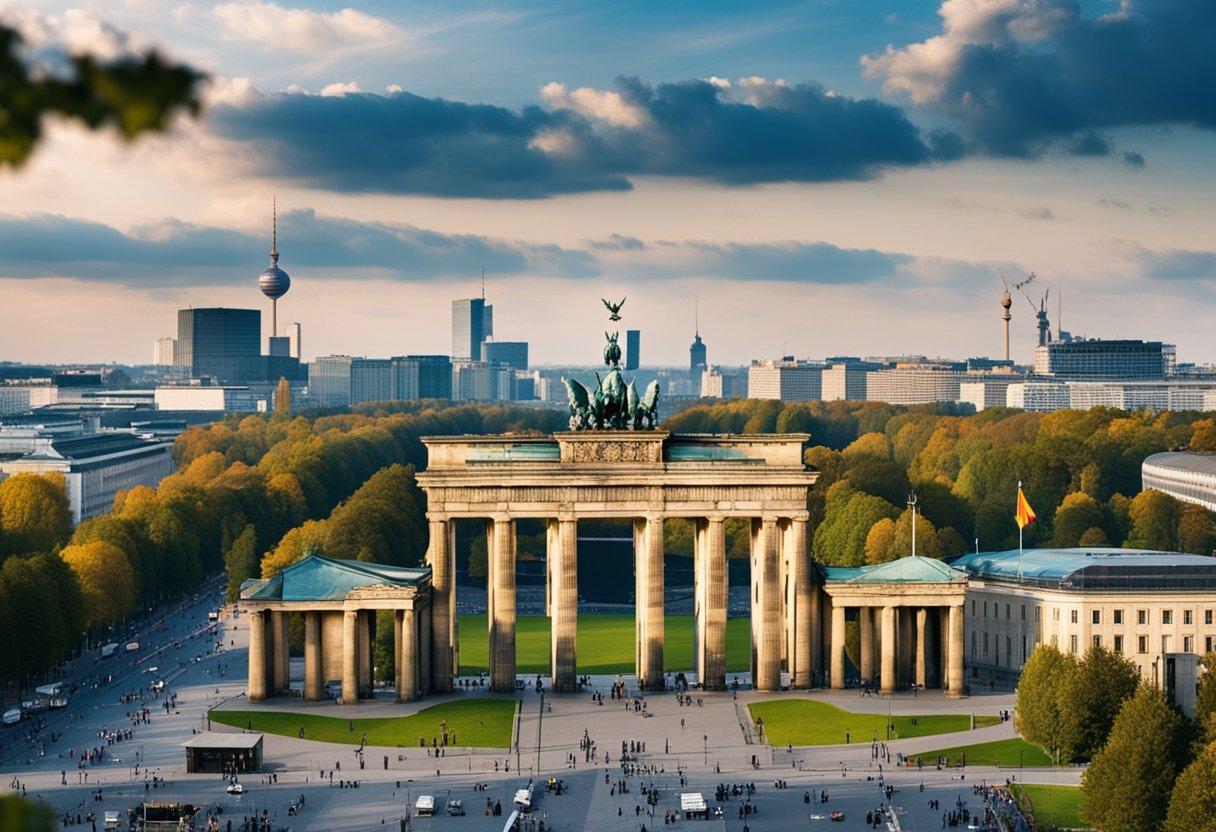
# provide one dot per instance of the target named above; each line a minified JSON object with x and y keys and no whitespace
{"x":705,"y":739}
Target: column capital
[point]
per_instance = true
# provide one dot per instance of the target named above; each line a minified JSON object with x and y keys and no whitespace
{"x":437,"y":516}
{"x":715,"y":518}
{"x":501,"y":517}
{"x":801,"y":516}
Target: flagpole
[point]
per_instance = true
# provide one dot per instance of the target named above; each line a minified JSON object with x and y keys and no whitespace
{"x":1019,"y":540}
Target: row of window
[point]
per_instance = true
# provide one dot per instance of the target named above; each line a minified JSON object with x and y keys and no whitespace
{"x":1167,"y":616}
{"x":1188,"y":645}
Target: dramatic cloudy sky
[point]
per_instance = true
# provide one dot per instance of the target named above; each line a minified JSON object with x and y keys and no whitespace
{"x":826,"y":177}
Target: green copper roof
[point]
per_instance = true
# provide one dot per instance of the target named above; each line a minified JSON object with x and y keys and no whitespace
{"x":909,"y":570}
{"x":317,"y":578}
{"x":1096,"y":568}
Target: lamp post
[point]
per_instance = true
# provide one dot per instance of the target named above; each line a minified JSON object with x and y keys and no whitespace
{"x":705,"y":740}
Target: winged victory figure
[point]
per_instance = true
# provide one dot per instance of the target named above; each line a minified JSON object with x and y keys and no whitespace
{"x":614,"y":308}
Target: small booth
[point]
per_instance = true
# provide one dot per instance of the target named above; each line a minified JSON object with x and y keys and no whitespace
{"x":220,"y":753}
{"x":692,"y":806}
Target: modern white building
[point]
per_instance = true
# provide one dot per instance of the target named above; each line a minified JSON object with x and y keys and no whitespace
{"x":233,"y":399}
{"x":1045,"y":394}
{"x":162,"y":352}
{"x":1082,"y":358}
{"x":987,"y":391}
{"x":1187,"y":476}
{"x":95,"y":465}
{"x":914,"y":384}
{"x":846,"y":379}
{"x":719,"y":383}
{"x":787,"y":380}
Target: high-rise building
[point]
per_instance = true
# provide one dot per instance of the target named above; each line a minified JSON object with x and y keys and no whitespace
{"x":633,"y":349}
{"x":474,"y":381}
{"x":371,"y":380}
{"x":728,"y":383}
{"x":422,"y":377}
{"x":162,"y":353}
{"x":513,"y":354}
{"x":921,"y":383}
{"x":696,"y":363}
{"x":468,"y":328}
{"x":295,"y":337}
{"x":844,"y":379}
{"x":329,"y":380}
{"x":1099,"y":359}
{"x":218,"y":342}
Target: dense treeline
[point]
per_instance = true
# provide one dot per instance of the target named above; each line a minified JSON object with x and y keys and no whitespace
{"x":1080,"y":471}
{"x":341,"y":485}
{"x":1151,"y":768}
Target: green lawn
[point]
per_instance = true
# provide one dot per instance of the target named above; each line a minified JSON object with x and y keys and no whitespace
{"x":809,"y":722}
{"x":481,"y":723}
{"x":1058,"y":805}
{"x":605,"y":644}
{"x":1011,"y":752}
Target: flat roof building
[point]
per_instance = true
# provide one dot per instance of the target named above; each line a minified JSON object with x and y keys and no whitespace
{"x":1186,"y":476}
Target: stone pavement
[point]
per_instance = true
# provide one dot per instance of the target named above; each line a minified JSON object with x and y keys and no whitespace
{"x":703,"y":745}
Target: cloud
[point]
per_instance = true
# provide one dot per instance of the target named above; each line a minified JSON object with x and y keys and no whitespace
{"x":300,"y":30}
{"x":1174,"y":265}
{"x":581,"y":140}
{"x":174,"y":253}
{"x":1025,"y":75}
{"x":1133,"y":160}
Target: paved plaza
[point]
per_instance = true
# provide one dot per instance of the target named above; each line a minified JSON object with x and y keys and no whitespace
{"x":685,"y":748}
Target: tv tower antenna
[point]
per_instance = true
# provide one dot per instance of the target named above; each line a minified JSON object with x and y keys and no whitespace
{"x":696,"y":316}
{"x":1006,"y":303}
{"x":483,"y":282}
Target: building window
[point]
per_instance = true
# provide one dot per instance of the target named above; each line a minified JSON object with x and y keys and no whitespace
{"x":985,"y":644}
{"x":1036,"y":613}
{"x":1008,"y":615}
{"x":1167,"y":616}
{"x":1207,"y":617}
{"x":1097,"y":641}
{"x":973,"y":607}
{"x":1096,"y":616}
{"x":1118,"y":644}
{"x":1188,"y":644}
{"x":1072,"y":616}
{"x":973,"y":637}
{"x":996,"y":650}
{"x":1188,"y":617}
{"x":1055,"y":641}
{"x":1008,"y":651}
{"x":1023,"y":649}
{"x":985,"y":609}
{"x":1023,"y":612}
{"x":1118,"y":616}
{"x":1167,"y":644}
{"x":1207,"y":644}
{"x":1141,"y":644}
{"x":1072,"y":645}
{"x":1142,"y":617}
{"x":1055,"y":613}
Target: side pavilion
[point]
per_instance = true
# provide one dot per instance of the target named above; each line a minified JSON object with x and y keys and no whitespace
{"x":338,"y":599}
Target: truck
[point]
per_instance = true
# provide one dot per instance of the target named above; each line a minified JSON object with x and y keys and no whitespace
{"x":110,"y":650}
{"x":424,"y":806}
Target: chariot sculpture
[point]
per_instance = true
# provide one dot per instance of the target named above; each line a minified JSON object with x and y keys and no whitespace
{"x":613,"y":404}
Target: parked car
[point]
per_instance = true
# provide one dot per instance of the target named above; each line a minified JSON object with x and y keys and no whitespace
{"x":236,"y":788}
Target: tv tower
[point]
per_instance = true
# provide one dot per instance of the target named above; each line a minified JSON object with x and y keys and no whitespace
{"x":274,"y":282}
{"x":1006,"y":304}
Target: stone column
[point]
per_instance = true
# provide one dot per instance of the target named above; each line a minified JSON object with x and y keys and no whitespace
{"x":314,"y":682}
{"x":801,"y":669}
{"x":257,"y":655}
{"x":648,"y":595}
{"x":922,"y":646}
{"x":816,"y":636}
{"x":866,"y":625}
{"x":440,"y":555}
{"x":954,"y":670}
{"x":398,"y":679}
{"x":425,"y":677}
{"x":711,"y":592}
{"x":282,"y":679}
{"x":500,"y":542}
{"x":887,"y":681}
{"x":350,"y":657}
{"x":766,"y":606}
{"x":838,"y":637}
{"x":562,"y":541}
{"x":943,"y":647}
{"x":407,"y":658}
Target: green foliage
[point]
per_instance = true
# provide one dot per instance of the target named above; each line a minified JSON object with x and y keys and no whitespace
{"x":1038,"y":712}
{"x":39,"y":588}
{"x":1009,"y":753}
{"x":385,"y":661}
{"x":282,"y":397}
{"x":21,"y":814}
{"x":1193,"y":801}
{"x":840,"y":540}
{"x":478,"y":723}
{"x":1090,"y":699}
{"x":810,"y":722}
{"x":241,"y":561}
{"x":1154,"y":517}
{"x":106,"y":580}
{"x":1053,"y":807}
{"x":1128,"y":785}
{"x":1205,"y":697}
{"x":132,"y":94}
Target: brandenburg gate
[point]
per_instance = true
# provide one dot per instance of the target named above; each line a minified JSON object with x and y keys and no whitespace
{"x":645,"y":476}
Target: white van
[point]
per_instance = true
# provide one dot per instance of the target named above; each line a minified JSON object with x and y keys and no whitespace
{"x":12,"y":717}
{"x":424,"y":806}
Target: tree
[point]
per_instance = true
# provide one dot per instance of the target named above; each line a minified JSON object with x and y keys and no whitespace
{"x":1196,"y":530}
{"x":880,"y":541}
{"x":1037,"y":711}
{"x":34,"y":513}
{"x":133,"y":94}
{"x":106,"y":580}
{"x":241,"y":560}
{"x":26,"y":814}
{"x":1203,"y":436}
{"x":1127,"y":786}
{"x":1154,"y":517}
{"x":1094,"y":537}
{"x":1090,"y":700}
{"x":1076,"y":515}
{"x":282,"y":397}
{"x":1193,"y":801}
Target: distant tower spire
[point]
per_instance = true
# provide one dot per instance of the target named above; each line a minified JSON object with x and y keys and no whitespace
{"x":1006,"y":303}
{"x":274,"y":282}
{"x":483,"y":282}
{"x":696,"y":316}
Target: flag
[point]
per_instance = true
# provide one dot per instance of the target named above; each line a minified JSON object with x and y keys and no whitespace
{"x":1025,"y":515}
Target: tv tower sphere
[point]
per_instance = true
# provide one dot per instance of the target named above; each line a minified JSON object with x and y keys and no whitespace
{"x":274,"y":282}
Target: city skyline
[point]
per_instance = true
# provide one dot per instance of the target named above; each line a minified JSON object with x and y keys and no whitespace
{"x":857,"y":181}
